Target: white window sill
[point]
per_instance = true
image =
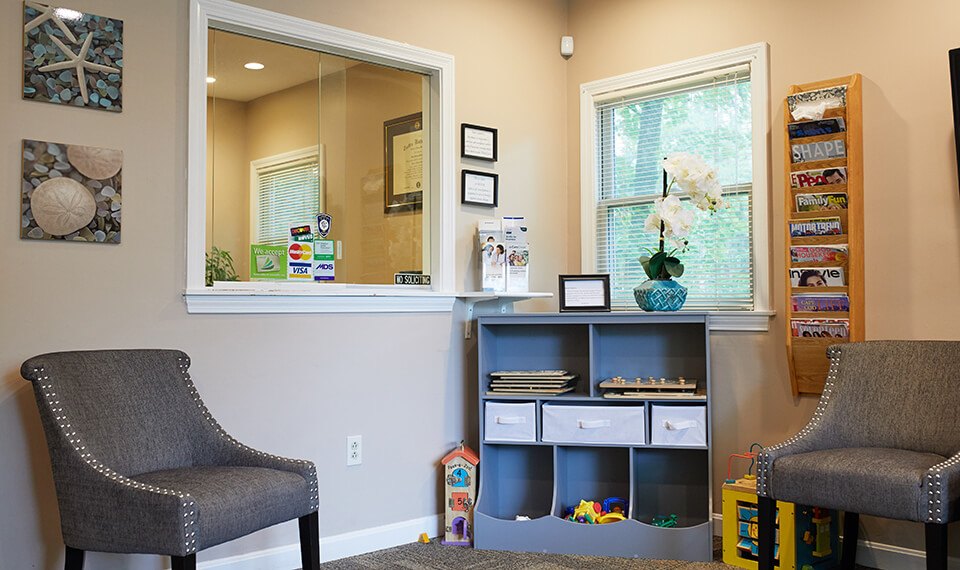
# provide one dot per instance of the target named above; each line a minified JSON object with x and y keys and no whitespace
{"x":745,"y":321}
{"x":282,"y":297}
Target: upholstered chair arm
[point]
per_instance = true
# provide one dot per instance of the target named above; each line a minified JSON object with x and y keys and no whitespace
{"x":941,"y":489}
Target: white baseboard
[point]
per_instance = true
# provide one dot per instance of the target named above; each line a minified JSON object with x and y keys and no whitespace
{"x":378,"y":538}
{"x":332,"y":547}
{"x":875,"y":554}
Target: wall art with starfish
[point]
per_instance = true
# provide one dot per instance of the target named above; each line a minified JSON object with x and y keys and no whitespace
{"x":72,"y":58}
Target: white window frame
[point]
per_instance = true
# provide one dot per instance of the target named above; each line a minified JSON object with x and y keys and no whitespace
{"x":270,"y":162}
{"x":756,"y":56}
{"x":282,"y":297}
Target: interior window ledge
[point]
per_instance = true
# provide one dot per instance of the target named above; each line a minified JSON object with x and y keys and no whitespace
{"x":744,"y":321}
{"x":310,"y":298}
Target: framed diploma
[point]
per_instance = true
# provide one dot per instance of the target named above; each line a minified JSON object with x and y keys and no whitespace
{"x":478,"y":188}
{"x":403,"y":163}
{"x":478,"y":142}
{"x":584,"y":293}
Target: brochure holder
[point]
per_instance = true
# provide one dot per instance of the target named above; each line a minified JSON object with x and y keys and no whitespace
{"x":807,"y":355}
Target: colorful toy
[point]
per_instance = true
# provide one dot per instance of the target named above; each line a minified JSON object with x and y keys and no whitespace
{"x":611,"y":510}
{"x":807,"y":537}
{"x":663,"y":521}
{"x":460,"y":467}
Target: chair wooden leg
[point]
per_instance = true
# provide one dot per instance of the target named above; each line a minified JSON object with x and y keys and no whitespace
{"x":188,"y":562}
{"x":310,"y":541}
{"x":767,"y":522}
{"x":74,"y":559}
{"x":851,"y":530}
{"x":936,"y":538}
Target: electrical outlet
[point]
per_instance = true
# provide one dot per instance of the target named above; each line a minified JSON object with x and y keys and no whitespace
{"x":354,"y":450}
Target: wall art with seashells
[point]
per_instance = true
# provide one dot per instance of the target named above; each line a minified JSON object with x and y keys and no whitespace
{"x":71,"y":57}
{"x":70,"y":192}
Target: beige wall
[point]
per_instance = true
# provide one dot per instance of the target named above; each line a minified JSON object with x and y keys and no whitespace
{"x":419,"y":397}
{"x":228,"y":170}
{"x":912,"y":210}
{"x":417,"y":374}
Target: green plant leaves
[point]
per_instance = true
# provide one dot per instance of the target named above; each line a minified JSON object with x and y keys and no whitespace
{"x":661,"y":265}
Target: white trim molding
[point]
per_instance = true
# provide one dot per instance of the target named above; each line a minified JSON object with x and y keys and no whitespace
{"x":757,"y":57}
{"x":249,"y":20}
{"x":333,"y":547}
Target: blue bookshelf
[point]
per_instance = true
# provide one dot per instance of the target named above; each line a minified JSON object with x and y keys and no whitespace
{"x":540,"y":479}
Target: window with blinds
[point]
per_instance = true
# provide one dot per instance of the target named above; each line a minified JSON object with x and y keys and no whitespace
{"x":287,"y":193}
{"x":708,"y":115}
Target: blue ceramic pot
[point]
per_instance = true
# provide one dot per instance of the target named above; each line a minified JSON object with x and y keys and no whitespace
{"x":660,"y":295}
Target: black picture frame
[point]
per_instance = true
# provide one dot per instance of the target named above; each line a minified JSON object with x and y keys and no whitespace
{"x":465,"y":173}
{"x":465,"y":153}
{"x":600,"y":303}
{"x":405,"y":201}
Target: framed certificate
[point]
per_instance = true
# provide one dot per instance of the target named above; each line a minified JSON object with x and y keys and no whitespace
{"x":478,"y":188}
{"x":478,"y":142}
{"x":584,"y":293}
{"x":403,"y":163}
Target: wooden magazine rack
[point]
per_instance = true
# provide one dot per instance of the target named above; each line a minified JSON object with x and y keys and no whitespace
{"x":807,"y":355}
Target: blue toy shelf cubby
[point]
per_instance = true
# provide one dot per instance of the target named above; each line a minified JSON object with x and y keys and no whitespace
{"x":537,"y":477}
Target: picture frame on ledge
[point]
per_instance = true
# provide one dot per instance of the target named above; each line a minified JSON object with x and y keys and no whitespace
{"x":585,"y":293}
{"x":479,"y":188}
{"x":478,"y":142}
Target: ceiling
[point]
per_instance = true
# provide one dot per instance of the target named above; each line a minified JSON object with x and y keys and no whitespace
{"x":284,"y":66}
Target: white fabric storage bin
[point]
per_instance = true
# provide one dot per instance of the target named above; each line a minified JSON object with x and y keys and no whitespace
{"x":593,"y":424}
{"x":678,"y":425}
{"x":510,"y":422}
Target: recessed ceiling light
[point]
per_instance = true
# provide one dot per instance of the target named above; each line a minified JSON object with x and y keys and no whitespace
{"x":211,"y":79}
{"x":253,"y":65}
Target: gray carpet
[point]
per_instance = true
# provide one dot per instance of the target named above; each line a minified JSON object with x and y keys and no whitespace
{"x":435,"y":556}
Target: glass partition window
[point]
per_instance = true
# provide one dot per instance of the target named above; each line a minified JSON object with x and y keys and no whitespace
{"x":293,"y":133}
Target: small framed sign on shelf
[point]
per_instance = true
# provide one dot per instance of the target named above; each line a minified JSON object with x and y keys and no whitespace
{"x":588,"y":293}
{"x":479,"y":188}
{"x":478,"y":142}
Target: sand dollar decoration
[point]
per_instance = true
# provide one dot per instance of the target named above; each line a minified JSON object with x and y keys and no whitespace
{"x":94,"y":162}
{"x":62,"y":206}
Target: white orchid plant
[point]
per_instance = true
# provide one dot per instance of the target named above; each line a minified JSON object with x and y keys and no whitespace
{"x":696,"y":180}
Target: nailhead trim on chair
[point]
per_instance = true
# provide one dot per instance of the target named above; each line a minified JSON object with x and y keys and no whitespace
{"x":314,"y":493}
{"x":935,"y":488}
{"x":190,"y":516}
{"x":763,"y":461}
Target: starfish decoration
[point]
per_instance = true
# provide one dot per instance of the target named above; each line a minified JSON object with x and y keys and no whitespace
{"x":79,"y":62}
{"x":48,"y":13}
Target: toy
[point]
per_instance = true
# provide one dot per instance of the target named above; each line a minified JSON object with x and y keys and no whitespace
{"x":611,"y":510}
{"x":460,"y":483}
{"x":424,"y":538}
{"x":665,"y":521}
{"x":807,"y":536}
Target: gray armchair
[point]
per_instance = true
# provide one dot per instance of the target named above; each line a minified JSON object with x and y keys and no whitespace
{"x":141,"y":466}
{"x":884,"y":441}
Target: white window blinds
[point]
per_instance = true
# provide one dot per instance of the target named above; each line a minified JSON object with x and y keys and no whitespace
{"x":709,"y":115}
{"x":287,"y":193}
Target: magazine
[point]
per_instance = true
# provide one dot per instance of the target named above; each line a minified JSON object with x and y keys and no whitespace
{"x":824,"y":177}
{"x":818,"y":253}
{"x":816,"y":277}
{"x":817,"y":202}
{"x":815,"y":227}
{"x":818,"y":302}
{"x":816,"y":128}
{"x":820,"y":328}
{"x":820,"y":150}
{"x":492,"y":255}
